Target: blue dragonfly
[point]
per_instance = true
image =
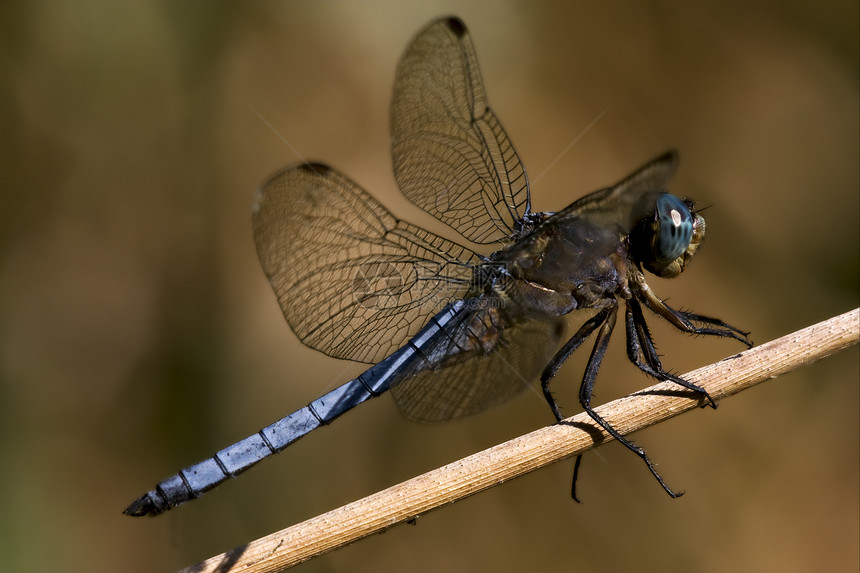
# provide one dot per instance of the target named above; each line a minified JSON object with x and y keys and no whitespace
{"x":451,"y":332}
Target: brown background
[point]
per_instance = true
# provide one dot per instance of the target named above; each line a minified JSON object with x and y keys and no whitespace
{"x":138,"y":334}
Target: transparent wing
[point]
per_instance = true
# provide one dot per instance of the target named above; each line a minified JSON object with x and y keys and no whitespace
{"x":485,"y":360}
{"x":621,"y":206}
{"x":352,"y":281}
{"x":451,"y":156}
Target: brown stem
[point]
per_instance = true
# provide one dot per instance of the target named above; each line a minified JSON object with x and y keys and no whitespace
{"x":470,"y":475}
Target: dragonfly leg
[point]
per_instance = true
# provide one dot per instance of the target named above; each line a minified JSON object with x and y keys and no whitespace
{"x":576,"y":465}
{"x":640,"y":343}
{"x":715,"y":322}
{"x":637,"y":331}
{"x":685,"y":321}
{"x":586,"y":391}
{"x":552,"y":368}
{"x":570,"y":346}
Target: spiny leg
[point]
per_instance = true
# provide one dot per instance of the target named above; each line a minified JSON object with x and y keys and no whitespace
{"x":586,"y":391}
{"x":552,"y":368}
{"x":639,"y":344}
{"x":576,"y":465}
{"x":714,"y":322}
{"x":570,"y":346}
{"x":637,"y":330}
{"x":686,"y":321}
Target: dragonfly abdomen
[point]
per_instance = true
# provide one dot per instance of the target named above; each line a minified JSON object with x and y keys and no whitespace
{"x":193,"y":481}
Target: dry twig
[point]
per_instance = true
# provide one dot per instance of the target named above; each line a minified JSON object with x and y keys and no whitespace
{"x":480,"y":471}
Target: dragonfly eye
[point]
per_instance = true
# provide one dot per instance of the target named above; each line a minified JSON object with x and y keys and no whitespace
{"x":673,"y":229}
{"x":665,"y":242}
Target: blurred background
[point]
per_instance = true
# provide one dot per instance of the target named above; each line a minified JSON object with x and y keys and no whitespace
{"x":138,"y":334}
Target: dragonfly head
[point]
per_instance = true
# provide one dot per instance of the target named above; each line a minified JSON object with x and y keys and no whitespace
{"x":665,"y":242}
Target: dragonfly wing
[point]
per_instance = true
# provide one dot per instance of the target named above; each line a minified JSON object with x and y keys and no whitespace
{"x":353,"y":281}
{"x":481,"y":363}
{"x":624,"y":204}
{"x":451,"y":155}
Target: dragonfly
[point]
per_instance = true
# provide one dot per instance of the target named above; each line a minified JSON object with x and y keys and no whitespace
{"x":448,"y":331}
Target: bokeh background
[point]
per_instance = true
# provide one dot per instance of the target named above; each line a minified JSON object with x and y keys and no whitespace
{"x":139,"y":335}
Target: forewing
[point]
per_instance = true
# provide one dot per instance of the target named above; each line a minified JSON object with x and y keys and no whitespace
{"x":621,"y":206}
{"x":451,"y":156}
{"x":470,"y":371}
{"x":352,"y":281}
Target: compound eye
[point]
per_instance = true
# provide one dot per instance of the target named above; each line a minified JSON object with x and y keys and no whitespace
{"x":674,"y":228}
